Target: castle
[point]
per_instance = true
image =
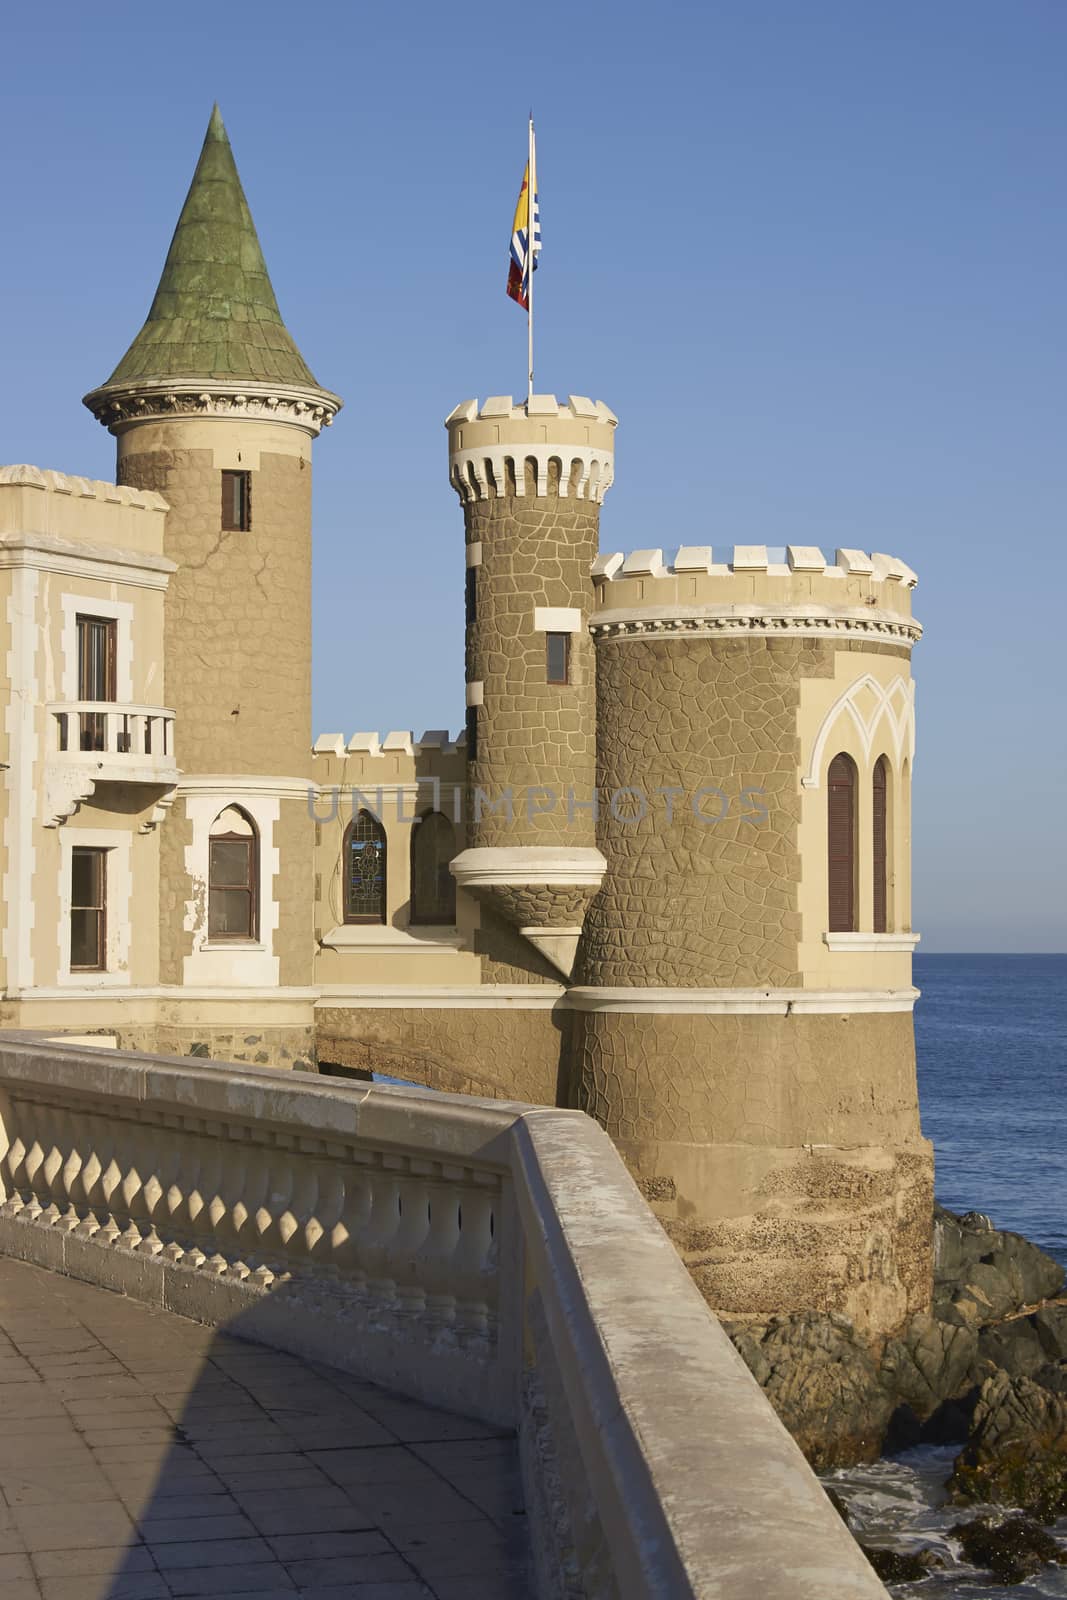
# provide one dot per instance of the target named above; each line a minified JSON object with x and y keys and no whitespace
{"x":662,"y":874}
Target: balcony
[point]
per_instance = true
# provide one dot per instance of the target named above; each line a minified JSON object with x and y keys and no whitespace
{"x":104,"y":741}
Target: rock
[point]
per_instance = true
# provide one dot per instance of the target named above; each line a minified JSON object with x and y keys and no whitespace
{"x":1012,"y":1548}
{"x":837,"y":1503}
{"x":930,"y":1362}
{"x":899,"y":1566}
{"x":1051,"y":1325}
{"x":1053,"y":1376}
{"x":1017,"y":1451}
{"x":1013,"y":1346}
{"x":819,"y":1375}
{"x":982,"y":1274}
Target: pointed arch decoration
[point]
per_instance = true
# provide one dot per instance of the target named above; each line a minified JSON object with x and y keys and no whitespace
{"x":893,"y":702}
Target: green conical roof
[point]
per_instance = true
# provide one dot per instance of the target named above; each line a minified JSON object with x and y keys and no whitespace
{"x":214,"y":314}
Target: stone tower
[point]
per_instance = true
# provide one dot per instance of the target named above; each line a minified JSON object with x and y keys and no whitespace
{"x":743,"y":991}
{"x":214,"y":407}
{"x":531,"y":479}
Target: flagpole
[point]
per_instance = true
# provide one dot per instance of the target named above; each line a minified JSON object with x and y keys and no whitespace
{"x":531,"y":260}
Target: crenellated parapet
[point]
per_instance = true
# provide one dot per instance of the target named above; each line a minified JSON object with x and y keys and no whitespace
{"x":754,"y":590}
{"x":539,"y":448}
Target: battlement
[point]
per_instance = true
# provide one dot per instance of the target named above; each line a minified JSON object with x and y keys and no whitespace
{"x":83,"y":516}
{"x":22,"y":476}
{"x":754,"y":589}
{"x":537,"y":448}
{"x":399,"y":742}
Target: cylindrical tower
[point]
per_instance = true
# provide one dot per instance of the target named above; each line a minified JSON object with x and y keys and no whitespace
{"x":214,"y":407}
{"x":531,"y":479}
{"x":743,"y":982}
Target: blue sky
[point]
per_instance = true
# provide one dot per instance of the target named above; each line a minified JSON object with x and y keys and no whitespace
{"x":812,"y":253}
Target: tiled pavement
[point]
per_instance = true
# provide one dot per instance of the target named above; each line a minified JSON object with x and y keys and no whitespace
{"x":143,"y":1456}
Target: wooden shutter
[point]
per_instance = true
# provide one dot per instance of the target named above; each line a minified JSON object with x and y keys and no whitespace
{"x":841,"y":852}
{"x":879,"y":829}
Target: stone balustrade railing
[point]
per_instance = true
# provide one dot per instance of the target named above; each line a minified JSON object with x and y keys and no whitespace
{"x":113,"y":732}
{"x":492,"y":1258}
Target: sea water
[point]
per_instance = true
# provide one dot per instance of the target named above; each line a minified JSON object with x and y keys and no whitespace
{"x":991,"y":1037}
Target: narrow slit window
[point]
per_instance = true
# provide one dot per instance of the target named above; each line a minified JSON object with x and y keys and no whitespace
{"x":236,"y":502}
{"x":471,"y":596}
{"x":557,"y":657}
{"x":88,"y":910}
{"x":841,"y":844}
{"x":472,"y":733}
{"x":880,"y":830}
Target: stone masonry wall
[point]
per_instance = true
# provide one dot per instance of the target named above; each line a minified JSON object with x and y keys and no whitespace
{"x":536,"y":551}
{"x":504,"y":1052}
{"x":687,"y":901}
{"x":238,"y":612}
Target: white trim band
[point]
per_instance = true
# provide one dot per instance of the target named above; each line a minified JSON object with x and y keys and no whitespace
{"x":741,"y":1002}
{"x":406,"y":997}
{"x":557,"y":619}
{"x":871,"y":941}
{"x":537,"y":865}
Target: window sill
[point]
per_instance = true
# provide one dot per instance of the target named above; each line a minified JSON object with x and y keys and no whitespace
{"x":423,"y":938}
{"x":211,"y":945}
{"x":889,"y":942}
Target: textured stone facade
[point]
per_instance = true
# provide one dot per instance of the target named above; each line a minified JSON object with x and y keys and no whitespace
{"x":532,"y":735}
{"x":238,"y":611}
{"x":687,"y":900}
{"x":502,"y":1052}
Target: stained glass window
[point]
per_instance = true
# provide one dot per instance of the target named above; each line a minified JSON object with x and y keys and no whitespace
{"x":364,"y":867}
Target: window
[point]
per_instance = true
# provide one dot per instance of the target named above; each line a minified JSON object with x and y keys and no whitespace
{"x":364,"y":869}
{"x":433,"y":888}
{"x":841,"y":854}
{"x":236,"y":502}
{"x":557,"y":657}
{"x":96,"y":676}
{"x":472,"y":733}
{"x":88,"y":910}
{"x":471,"y":596}
{"x":233,"y":872}
{"x":880,"y":818}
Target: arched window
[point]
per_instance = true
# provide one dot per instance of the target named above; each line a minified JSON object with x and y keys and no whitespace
{"x":879,"y":840}
{"x":364,"y":869}
{"x":841,"y":852}
{"x":233,"y":876}
{"x":433,"y":888}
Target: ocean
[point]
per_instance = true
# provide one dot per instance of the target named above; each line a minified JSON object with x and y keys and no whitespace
{"x":991,"y":1038}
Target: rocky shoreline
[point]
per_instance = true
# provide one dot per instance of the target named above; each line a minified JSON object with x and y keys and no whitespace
{"x":987,"y":1369}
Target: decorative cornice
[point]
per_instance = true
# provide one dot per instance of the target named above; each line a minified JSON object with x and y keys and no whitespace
{"x":520,"y":866}
{"x":122,"y":405}
{"x":713,"y":622}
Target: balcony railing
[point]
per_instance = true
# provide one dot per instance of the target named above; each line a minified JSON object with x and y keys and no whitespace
{"x":113,"y":734}
{"x":492,"y":1258}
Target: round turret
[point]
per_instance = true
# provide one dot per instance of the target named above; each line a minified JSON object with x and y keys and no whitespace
{"x":531,"y":479}
{"x":743,"y":979}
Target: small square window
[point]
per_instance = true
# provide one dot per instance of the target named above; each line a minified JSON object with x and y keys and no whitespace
{"x":236,"y":502}
{"x":557,"y":657}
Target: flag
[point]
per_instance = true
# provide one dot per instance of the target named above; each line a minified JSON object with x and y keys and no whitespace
{"x":519,"y":265}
